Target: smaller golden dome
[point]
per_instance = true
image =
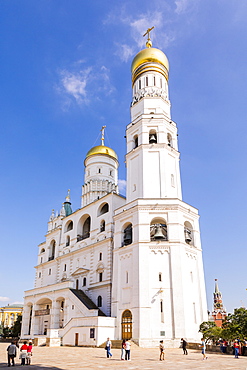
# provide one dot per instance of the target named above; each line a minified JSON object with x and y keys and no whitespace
{"x":150,"y":55}
{"x":103,"y":150}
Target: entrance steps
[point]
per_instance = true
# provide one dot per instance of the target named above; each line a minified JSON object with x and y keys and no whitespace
{"x":117,"y":344}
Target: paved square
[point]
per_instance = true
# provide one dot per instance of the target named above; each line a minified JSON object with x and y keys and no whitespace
{"x":74,"y":358}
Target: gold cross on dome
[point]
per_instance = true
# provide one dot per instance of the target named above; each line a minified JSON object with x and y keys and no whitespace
{"x":148,"y":31}
{"x":149,"y":42}
{"x":103,"y":135}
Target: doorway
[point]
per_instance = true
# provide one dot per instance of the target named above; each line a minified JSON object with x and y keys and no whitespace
{"x":76,"y":339}
{"x":127,"y":325}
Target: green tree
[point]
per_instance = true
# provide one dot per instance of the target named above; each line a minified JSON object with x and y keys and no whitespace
{"x":210,"y":331}
{"x":235,"y":325}
{"x":16,"y":328}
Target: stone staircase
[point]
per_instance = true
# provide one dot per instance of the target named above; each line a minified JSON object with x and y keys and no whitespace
{"x":117,"y":344}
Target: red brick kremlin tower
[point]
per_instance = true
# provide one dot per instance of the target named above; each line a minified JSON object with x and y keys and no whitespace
{"x":219,"y":311}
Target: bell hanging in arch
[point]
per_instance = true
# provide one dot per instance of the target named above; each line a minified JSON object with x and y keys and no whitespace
{"x":158,"y":233}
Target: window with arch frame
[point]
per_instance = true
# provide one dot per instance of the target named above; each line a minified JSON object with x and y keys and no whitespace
{"x":99,"y":301}
{"x":84,"y":281}
{"x":135,"y":138}
{"x":127,"y":235}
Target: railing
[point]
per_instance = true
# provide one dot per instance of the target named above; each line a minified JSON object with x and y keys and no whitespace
{"x":82,"y":237}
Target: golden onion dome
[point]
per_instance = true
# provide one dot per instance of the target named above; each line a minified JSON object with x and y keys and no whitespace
{"x":102,"y":150}
{"x":149,"y":55}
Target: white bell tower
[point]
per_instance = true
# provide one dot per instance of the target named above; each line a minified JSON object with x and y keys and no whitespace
{"x":152,"y":158}
{"x":158,"y":289}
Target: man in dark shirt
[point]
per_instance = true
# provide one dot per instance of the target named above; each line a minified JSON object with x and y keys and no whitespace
{"x":184,"y":344}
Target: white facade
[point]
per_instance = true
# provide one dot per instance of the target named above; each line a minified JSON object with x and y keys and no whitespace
{"x":124,"y":268}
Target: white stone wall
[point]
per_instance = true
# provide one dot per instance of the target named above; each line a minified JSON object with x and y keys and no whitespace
{"x":182,"y":289}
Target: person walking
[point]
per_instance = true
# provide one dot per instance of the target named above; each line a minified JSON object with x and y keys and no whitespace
{"x":224,"y":346}
{"x":203,"y":346}
{"x":236,"y":348}
{"x":184,"y":344}
{"x":12,"y":349}
{"x":23,"y":354}
{"x":123,"y":350}
{"x":108,"y":348}
{"x":29,"y":353}
{"x":162,"y":351}
{"x":127,"y":350}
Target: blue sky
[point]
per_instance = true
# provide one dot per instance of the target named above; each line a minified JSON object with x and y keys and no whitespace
{"x":65,"y":72}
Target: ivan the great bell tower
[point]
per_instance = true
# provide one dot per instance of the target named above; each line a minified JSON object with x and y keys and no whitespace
{"x":158,"y":278}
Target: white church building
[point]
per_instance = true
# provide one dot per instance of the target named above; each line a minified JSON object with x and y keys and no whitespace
{"x":124,"y":268}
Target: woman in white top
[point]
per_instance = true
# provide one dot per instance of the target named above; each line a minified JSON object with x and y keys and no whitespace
{"x":127,"y":350}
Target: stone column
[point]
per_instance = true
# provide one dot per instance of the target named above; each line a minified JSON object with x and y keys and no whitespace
{"x":35,"y":322}
{"x":25,"y":320}
{"x":54,"y":315}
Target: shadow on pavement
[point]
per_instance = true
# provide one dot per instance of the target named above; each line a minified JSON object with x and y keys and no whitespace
{"x":32,"y":366}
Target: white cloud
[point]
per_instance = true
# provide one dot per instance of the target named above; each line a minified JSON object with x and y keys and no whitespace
{"x":74,"y":84}
{"x":17,"y":302}
{"x":81,"y":86}
{"x":122,"y":186}
{"x":124,"y":52}
{"x":168,"y":18}
{"x":4,"y":299}
{"x":103,"y":81}
{"x":185,"y":6}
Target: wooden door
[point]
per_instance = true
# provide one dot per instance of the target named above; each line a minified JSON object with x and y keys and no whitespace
{"x":127,"y":325}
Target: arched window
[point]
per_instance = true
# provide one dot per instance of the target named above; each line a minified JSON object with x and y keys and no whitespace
{"x":99,"y":301}
{"x":103,"y":209}
{"x":154,"y":81}
{"x":84,"y":281}
{"x":67,"y":241}
{"x":52,"y":250}
{"x":42,"y":250}
{"x":161,"y":83}
{"x":135,"y":141}
{"x":158,"y":229}
{"x":83,"y":228}
{"x":127,"y":235}
{"x":188,"y":233}
{"x":169,"y":140}
{"x":140,"y":84}
{"x":69,"y":226}
{"x":100,"y":256}
{"x":102,"y":226}
{"x":86,"y":228}
{"x":152,"y":137}
{"x":146,"y":81}
{"x":161,"y":310}
{"x":100,"y":276}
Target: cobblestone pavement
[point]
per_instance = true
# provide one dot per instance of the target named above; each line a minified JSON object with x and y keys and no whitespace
{"x":75,"y":358}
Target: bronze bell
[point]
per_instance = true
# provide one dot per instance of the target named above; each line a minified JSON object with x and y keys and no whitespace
{"x":188,"y":236}
{"x":152,"y":139}
{"x":128,"y":236}
{"x":158,"y":233}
